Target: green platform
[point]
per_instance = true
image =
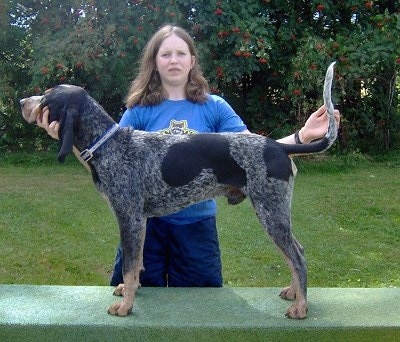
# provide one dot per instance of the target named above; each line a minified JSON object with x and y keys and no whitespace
{"x":78,"y":313}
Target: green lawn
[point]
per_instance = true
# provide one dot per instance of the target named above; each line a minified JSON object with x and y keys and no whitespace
{"x":56,"y":229}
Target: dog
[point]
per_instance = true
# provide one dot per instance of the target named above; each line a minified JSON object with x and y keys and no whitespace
{"x":144,"y":174}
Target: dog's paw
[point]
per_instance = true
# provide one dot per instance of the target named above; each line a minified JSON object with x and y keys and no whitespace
{"x":297,"y":311}
{"x":119,"y":290}
{"x":288,"y":293}
{"x":119,"y":309}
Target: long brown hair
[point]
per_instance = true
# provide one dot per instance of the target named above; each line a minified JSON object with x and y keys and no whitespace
{"x":146,"y":89}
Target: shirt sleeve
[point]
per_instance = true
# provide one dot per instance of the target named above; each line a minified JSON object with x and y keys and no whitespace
{"x":226,"y":119}
{"x":131,"y":118}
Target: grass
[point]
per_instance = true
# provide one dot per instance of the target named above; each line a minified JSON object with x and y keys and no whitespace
{"x":56,"y":229}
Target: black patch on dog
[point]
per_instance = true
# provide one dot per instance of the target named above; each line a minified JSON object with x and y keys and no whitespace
{"x":184,"y":161}
{"x":278,"y":164}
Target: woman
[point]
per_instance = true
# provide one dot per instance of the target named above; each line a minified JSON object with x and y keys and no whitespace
{"x":171,"y":96}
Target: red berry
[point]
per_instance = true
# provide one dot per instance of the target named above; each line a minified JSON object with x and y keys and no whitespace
{"x":45,"y":70}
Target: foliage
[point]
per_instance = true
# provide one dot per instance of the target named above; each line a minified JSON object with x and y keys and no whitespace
{"x":267,"y":58}
{"x":14,"y":69}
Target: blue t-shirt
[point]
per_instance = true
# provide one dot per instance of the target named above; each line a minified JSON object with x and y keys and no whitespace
{"x":186,"y":117}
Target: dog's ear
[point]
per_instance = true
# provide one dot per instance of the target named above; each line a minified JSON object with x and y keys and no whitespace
{"x":66,"y":134}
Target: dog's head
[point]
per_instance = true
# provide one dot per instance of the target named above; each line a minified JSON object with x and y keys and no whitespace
{"x":65,"y":103}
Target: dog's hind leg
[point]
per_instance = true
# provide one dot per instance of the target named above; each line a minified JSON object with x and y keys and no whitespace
{"x":289,"y":292}
{"x":275,"y":218}
{"x":297,"y":264}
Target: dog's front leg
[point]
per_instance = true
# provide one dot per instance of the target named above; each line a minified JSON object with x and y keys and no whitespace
{"x":120,"y":289}
{"x":132,"y":239}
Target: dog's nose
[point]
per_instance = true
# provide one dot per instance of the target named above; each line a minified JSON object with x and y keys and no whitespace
{"x":22,"y":102}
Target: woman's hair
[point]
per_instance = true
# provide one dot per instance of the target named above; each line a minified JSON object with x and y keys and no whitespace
{"x":146,"y":89}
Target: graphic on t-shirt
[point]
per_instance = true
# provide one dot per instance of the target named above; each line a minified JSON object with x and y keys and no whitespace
{"x":178,"y":128}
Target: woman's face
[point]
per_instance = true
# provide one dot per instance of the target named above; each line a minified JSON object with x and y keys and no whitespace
{"x":174,"y":61}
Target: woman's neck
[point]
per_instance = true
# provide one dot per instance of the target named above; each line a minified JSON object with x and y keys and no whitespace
{"x":175,"y":93}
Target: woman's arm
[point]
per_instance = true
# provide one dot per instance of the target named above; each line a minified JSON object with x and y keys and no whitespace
{"x":315,"y":127}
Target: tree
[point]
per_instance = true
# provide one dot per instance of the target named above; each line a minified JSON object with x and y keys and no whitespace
{"x":267,"y":58}
{"x":14,"y":71}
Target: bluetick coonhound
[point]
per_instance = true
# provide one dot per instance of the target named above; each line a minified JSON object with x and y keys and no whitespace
{"x":145,"y":174}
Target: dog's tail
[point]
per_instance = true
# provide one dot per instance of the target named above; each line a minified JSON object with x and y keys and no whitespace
{"x":331,"y":135}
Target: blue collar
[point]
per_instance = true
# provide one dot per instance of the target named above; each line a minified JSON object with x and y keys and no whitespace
{"x":87,"y":154}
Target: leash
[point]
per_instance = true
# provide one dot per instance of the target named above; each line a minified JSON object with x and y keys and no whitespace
{"x":87,"y":154}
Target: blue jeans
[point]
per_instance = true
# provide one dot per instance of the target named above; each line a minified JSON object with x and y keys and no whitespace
{"x":178,"y":255}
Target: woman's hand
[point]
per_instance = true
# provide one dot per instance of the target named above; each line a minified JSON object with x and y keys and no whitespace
{"x":316,"y":125}
{"x":43,"y":121}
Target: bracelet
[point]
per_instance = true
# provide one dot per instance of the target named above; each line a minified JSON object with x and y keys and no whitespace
{"x":297,"y":137}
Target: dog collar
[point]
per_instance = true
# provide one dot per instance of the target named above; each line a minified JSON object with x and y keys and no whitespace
{"x":87,"y":154}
